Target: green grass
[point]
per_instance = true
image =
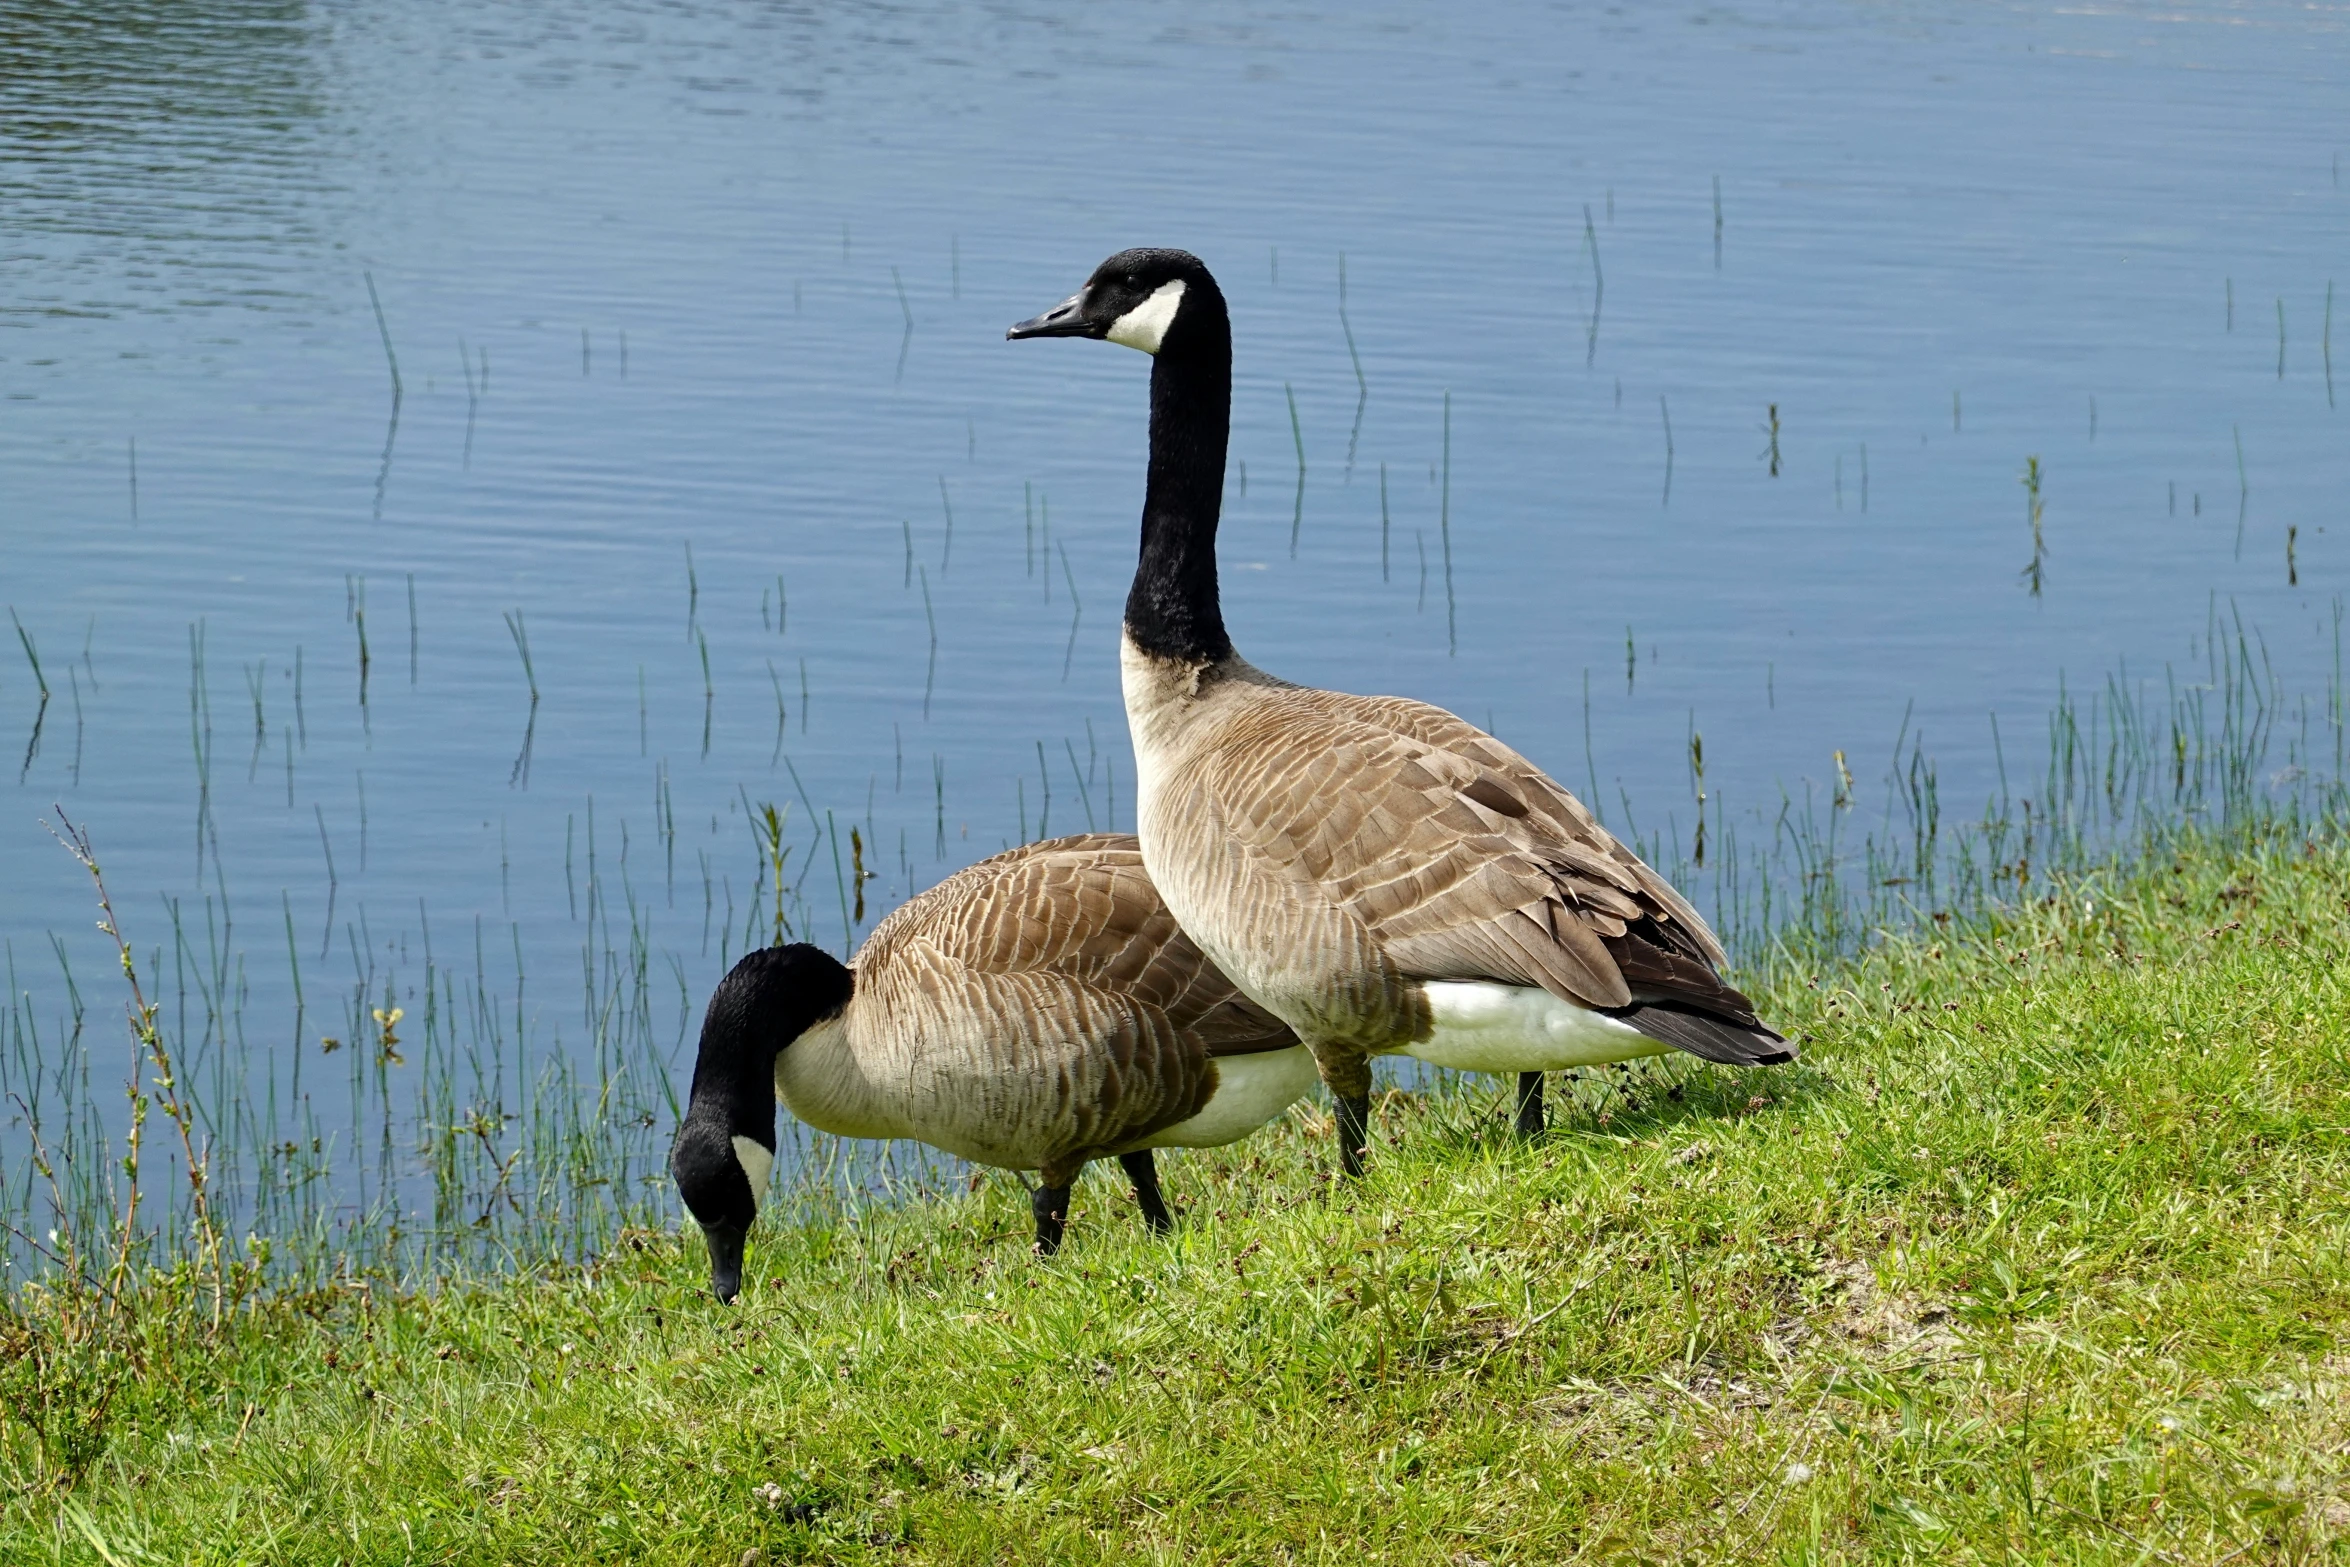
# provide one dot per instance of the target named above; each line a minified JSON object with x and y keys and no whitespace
{"x":2039,"y":1256}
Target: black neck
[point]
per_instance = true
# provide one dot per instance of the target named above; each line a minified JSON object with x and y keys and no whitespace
{"x":734,"y":1077}
{"x":1172,"y":610}
{"x":768,"y":1000}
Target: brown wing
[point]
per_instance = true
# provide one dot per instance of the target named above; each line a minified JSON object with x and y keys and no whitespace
{"x":1082,"y":910}
{"x":1512,"y":778}
{"x":1462,"y":859}
{"x":1060,"y":1002}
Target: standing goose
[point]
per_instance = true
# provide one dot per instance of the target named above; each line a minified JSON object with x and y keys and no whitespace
{"x":1373,"y":871}
{"x":1036,"y":1011}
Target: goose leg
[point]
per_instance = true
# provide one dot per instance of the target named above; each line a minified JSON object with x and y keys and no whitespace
{"x":1143,"y":1171}
{"x":1529,"y":1105}
{"x":1051,"y":1205}
{"x":1354,"y":1130}
{"x":1346,"y":1070}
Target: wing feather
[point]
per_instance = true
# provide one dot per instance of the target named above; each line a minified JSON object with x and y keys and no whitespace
{"x":1462,"y":859}
{"x":1596,"y":851}
{"x":1050,"y":987}
{"x":1079,"y":920}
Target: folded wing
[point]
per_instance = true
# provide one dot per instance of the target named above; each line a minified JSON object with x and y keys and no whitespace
{"x":1465,"y":861}
{"x":1062,"y":954}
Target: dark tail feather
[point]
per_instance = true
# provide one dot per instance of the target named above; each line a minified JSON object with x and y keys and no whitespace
{"x":1709,"y":1035}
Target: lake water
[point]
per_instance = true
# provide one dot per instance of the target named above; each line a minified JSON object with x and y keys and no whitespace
{"x":1690,"y":357}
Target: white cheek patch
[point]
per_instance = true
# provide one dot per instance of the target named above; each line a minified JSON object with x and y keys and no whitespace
{"x":757,"y":1164}
{"x":1145,"y":326}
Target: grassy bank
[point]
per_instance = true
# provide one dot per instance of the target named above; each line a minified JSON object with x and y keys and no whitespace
{"x":2040,"y":1254}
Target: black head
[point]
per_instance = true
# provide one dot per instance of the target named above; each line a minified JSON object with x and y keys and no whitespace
{"x":726,"y":1144}
{"x":1146,"y":299}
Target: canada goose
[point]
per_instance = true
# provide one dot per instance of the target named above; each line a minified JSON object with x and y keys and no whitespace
{"x":1035,"y":1011}
{"x":1373,"y":871}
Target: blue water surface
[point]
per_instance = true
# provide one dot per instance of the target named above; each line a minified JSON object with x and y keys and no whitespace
{"x":1621,"y":372}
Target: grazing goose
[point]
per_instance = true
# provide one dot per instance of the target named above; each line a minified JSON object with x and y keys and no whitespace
{"x":1036,"y":1011}
{"x":1373,"y":871}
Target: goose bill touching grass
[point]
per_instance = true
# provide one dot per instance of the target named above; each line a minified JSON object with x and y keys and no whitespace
{"x":1373,"y":871}
{"x":1036,"y":1011}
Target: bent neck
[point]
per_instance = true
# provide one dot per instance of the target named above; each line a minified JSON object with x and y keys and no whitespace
{"x":734,"y":1081}
{"x":770,"y":999}
{"x":1173,"y":610}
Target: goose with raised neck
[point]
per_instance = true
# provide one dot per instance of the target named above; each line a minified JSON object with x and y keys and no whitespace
{"x":1374,"y":871}
{"x":1037,"y":1011}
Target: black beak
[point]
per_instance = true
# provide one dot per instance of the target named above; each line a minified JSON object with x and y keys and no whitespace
{"x":726,"y":1260}
{"x":1063,"y":320}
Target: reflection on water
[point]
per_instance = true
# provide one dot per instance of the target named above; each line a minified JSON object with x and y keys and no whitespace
{"x":1618,"y":380}
{"x":156,"y":157}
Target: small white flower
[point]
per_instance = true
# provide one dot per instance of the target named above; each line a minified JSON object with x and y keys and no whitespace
{"x":2168,"y":1422}
{"x":1798,"y":1472}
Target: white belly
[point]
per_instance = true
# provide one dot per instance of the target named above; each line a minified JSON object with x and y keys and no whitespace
{"x":1250,"y":1090}
{"x":1485,"y":1027}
